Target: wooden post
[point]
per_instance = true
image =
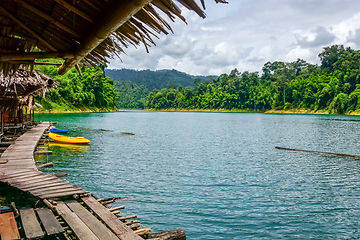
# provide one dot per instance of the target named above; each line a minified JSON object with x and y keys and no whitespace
{"x":2,"y":121}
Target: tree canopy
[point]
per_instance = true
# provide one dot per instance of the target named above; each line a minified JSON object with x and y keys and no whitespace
{"x":91,"y":91}
{"x":334,"y":86}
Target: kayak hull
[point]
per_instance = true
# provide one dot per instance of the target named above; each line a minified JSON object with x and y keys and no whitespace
{"x":65,"y":139}
{"x":56,"y":130}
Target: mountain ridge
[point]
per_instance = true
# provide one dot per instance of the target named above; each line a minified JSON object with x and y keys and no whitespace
{"x":158,"y":79}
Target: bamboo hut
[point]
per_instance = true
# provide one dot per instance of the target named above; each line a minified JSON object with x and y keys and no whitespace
{"x":17,"y":93}
{"x":86,"y":32}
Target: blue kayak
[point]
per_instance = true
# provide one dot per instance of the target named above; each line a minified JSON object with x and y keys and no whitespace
{"x":56,"y":130}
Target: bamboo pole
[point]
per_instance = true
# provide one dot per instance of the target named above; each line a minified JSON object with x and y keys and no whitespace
{"x":49,"y":18}
{"x":116,"y":208}
{"x":170,"y":235}
{"x":117,"y":15}
{"x":75,"y":10}
{"x":127,"y":217}
{"x":4,"y":57}
{"x":31,"y":62}
{"x":325,"y":153}
{"x":50,"y":164}
{"x":21,"y":24}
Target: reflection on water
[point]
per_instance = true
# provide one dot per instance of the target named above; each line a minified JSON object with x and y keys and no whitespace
{"x":53,"y":146}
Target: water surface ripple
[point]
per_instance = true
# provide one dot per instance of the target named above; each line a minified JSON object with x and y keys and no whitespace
{"x":218,"y":175}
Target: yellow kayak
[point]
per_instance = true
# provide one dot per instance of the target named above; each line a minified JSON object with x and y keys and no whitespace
{"x":66,"y":139}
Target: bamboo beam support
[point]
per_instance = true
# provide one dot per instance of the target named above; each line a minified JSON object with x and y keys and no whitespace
{"x":50,"y":164}
{"x":47,"y":63}
{"x":21,"y":24}
{"x":75,"y":10}
{"x":32,"y":62}
{"x":49,"y":18}
{"x":116,"y":208}
{"x":171,"y":235}
{"x":127,"y":217}
{"x":117,"y":15}
{"x":4,"y":57}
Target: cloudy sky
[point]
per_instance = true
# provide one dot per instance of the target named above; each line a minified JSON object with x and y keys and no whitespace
{"x":245,"y":34}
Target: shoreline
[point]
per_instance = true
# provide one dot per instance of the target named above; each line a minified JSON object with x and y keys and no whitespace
{"x":272,"y":111}
{"x":79,"y":111}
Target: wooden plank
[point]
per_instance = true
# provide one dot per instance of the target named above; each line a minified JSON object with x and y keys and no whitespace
{"x":62,"y":194}
{"x":17,"y":154}
{"x":48,"y":220}
{"x":25,"y":175}
{"x":44,"y":185}
{"x":119,"y":228}
{"x":100,"y":230}
{"x":27,"y":181}
{"x":8,"y":228}
{"x":63,"y":186}
{"x":10,"y":174}
{"x":15,"y":172}
{"x":36,"y":180}
{"x":15,"y":157}
{"x":60,"y":190}
{"x":30,"y":224}
{"x":79,"y":228}
{"x":16,"y":163}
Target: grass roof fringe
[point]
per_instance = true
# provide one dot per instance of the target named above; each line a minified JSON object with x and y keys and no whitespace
{"x":69,"y":29}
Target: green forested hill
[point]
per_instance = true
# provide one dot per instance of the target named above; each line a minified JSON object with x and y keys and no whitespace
{"x":131,"y":96}
{"x":332,"y":87}
{"x":91,"y":91}
{"x":153,"y":79}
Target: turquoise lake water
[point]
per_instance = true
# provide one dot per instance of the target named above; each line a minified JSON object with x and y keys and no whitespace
{"x":218,"y":175}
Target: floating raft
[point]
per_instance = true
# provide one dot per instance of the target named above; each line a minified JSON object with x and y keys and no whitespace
{"x":317,"y":152}
{"x":18,"y":168}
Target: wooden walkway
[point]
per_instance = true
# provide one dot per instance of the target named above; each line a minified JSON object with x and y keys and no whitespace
{"x":20,"y":170}
{"x":84,"y":217}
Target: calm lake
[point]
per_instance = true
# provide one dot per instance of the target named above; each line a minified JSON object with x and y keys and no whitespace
{"x":218,"y":175}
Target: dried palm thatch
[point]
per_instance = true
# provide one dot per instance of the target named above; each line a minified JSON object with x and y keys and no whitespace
{"x":21,"y":86}
{"x":81,"y":31}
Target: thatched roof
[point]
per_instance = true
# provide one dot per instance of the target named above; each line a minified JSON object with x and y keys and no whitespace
{"x":23,"y":83}
{"x":81,"y":31}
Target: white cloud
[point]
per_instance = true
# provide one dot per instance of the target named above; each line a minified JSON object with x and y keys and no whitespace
{"x":245,"y":34}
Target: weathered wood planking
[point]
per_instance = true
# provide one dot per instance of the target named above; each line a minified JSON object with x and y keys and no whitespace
{"x":100,"y":230}
{"x":30,"y":224}
{"x":79,"y":228}
{"x":8,"y":228}
{"x":48,"y":220}
{"x":21,"y":172}
{"x":121,"y":230}
{"x":44,"y":185}
{"x":61,"y":194}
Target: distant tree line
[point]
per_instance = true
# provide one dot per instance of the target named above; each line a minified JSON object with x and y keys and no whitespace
{"x":132,"y":96}
{"x":334,"y":86}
